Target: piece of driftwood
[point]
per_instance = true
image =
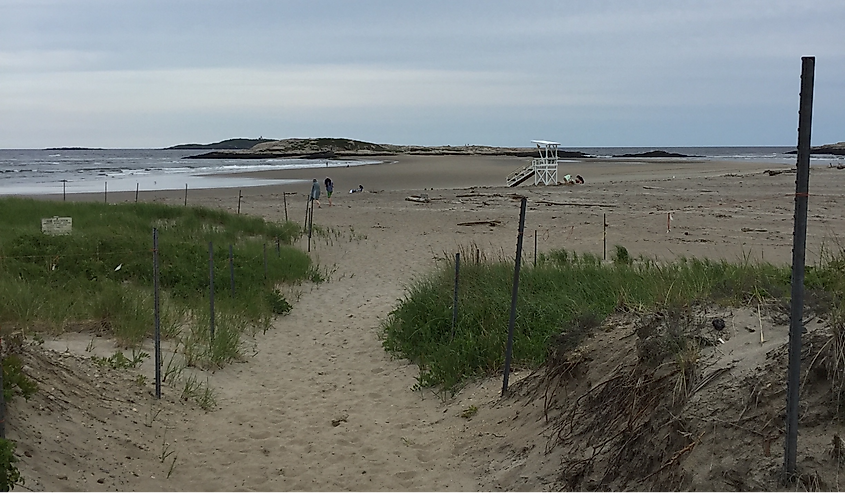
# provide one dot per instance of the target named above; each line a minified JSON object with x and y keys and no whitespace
{"x":419,"y":198}
{"x":494,"y":222}
{"x":579,"y":204}
{"x":469,"y":195}
{"x":753,"y":230}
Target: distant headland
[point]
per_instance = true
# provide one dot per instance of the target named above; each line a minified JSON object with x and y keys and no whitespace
{"x":228,"y":144}
{"x":74,"y":149}
{"x":338,"y":148}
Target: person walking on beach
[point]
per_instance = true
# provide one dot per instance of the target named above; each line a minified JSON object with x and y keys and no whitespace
{"x":329,"y":189}
{"x":315,"y":193}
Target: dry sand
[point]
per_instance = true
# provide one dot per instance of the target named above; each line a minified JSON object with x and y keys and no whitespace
{"x":317,"y":404}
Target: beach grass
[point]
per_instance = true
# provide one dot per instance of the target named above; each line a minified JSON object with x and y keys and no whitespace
{"x":562,"y":300}
{"x":100,"y":277}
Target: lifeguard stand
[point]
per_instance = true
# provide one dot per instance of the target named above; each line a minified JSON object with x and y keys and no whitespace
{"x":544,"y":168}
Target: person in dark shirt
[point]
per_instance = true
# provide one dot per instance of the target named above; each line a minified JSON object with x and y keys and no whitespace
{"x":329,"y":189}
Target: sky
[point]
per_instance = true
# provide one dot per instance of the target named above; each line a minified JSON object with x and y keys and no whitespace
{"x":150,"y":74}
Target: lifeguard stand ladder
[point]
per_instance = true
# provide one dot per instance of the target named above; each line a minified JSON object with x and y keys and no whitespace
{"x":544,"y":168}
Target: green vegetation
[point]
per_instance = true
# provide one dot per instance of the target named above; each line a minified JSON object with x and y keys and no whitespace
{"x":118,"y":361}
{"x":15,"y":382}
{"x":100,"y":277}
{"x":561,"y":300}
{"x":9,"y":473}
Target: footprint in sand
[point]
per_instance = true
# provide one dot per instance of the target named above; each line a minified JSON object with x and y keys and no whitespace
{"x":259,"y":435}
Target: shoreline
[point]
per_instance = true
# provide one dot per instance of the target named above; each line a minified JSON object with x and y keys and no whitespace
{"x":421,"y":173}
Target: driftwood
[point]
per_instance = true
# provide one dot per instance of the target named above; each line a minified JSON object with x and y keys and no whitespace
{"x":494,"y":222}
{"x":419,"y":198}
{"x":470,"y":195}
{"x":775,"y":172}
{"x":578,"y":204}
{"x":753,"y":230}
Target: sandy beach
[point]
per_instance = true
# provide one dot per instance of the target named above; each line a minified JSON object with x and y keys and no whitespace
{"x":317,"y":404}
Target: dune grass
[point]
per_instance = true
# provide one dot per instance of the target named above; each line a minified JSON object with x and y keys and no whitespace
{"x":100,"y":277}
{"x":561,"y":300}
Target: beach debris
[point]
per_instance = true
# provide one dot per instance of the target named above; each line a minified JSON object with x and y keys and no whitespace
{"x":575,"y":204}
{"x":492,"y":223}
{"x":719,"y":324}
{"x":753,"y":230}
{"x":648,"y":187}
{"x":470,"y":195}
{"x":341,"y":419}
{"x":422,"y":198}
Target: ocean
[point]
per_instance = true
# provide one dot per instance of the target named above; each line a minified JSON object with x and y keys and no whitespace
{"x":45,"y":171}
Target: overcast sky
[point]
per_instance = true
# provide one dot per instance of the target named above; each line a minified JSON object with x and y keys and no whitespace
{"x":115,"y":73}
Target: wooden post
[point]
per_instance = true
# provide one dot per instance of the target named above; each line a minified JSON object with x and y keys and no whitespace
{"x":455,"y":298}
{"x":604,"y":236}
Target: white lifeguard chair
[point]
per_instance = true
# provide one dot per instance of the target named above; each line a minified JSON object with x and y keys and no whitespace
{"x":544,"y":168}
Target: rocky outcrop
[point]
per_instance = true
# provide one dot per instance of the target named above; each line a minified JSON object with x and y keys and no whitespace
{"x":837,"y":149}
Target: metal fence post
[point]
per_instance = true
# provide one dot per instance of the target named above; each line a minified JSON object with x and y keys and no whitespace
{"x":231,"y":270}
{"x":512,"y":322}
{"x":211,"y":287}
{"x":157,"y":315}
{"x":799,"y":243}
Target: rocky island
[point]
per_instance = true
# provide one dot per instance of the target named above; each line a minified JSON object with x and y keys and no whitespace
{"x":655,"y":153}
{"x":331,"y":148}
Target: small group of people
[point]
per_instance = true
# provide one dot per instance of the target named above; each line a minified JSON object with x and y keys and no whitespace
{"x":315,"y":191}
{"x":567,"y":180}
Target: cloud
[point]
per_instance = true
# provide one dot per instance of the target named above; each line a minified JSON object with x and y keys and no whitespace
{"x":439,"y":68}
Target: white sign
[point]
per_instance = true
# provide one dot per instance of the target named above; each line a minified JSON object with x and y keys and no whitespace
{"x":56,"y":225}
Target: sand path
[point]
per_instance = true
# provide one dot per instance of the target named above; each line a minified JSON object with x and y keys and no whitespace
{"x":321,"y":406}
